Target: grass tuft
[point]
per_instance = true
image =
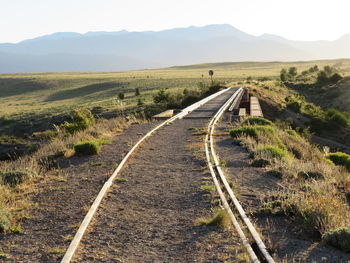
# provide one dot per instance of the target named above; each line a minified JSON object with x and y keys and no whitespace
{"x":5,"y":222}
{"x":14,"y":178}
{"x":220,"y":218}
{"x":87,"y":148}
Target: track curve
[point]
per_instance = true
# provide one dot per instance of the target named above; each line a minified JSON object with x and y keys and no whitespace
{"x":196,"y":117}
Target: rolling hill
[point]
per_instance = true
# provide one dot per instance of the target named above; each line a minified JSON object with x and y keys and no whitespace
{"x":123,"y":50}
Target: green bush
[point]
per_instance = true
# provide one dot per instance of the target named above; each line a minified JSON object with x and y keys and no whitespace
{"x":339,"y":158}
{"x":121,"y":95}
{"x":257,"y":121}
{"x":5,"y":222}
{"x":272,"y":152}
{"x":81,"y":120}
{"x":339,"y":238}
{"x":252,"y":131}
{"x":14,"y":178}
{"x":87,"y":148}
{"x":336,"y":117}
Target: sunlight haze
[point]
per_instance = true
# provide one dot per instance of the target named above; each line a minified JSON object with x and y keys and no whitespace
{"x":296,"y":20}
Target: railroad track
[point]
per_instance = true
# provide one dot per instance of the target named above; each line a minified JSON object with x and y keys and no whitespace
{"x":259,"y":253}
{"x":215,"y":170}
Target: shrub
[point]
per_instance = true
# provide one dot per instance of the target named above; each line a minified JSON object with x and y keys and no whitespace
{"x":137,"y":92}
{"x":252,"y":131}
{"x":336,"y":117}
{"x":14,"y":178}
{"x":260,"y":163}
{"x":339,"y":158}
{"x":339,"y":238}
{"x":162,"y":96}
{"x":121,"y":95}
{"x":190,"y":99}
{"x":5,"y":222}
{"x":46,"y":135}
{"x":275,"y":173}
{"x":294,"y":106}
{"x":87,"y":148}
{"x":310,"y":175}
{"x":257,"y":121}
{"x":82,"y":119}
{"x":272,"y":152}
{"x":335,"y":78}
{"x":245,"y":130}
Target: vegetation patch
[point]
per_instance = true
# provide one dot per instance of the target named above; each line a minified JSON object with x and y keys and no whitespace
{"x":257,"y":121}
{"x":260,"y":163}
{"x":339,"y":158}
{"x":81,"y":120}
{"x":87,"y":147}
{"x":16,"y":177}
{"x":5,"y":222}
{"x":272,"y":151}
{"x":339,"y":238}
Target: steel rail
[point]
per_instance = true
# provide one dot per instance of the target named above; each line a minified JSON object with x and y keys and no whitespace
{"x":209,"y":143}
{"x":107,"y":185}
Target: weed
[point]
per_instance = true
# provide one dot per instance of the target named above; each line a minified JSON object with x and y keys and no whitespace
{"x":122,"y":180}
{"x":16,"y":229}
{"x":96,"y":164}
{"x":5,"y":222}
{"x":4,"y":256}
{"x":208,"y":188}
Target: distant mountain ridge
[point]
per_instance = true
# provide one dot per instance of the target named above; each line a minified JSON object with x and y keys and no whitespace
{"x":124,"y":50}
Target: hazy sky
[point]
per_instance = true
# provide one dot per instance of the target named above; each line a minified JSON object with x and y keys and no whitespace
{"x":293,"y":19}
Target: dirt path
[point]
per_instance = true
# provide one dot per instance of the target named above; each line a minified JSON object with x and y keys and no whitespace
{"x":284,"y":238}
{"x":151,"y":217}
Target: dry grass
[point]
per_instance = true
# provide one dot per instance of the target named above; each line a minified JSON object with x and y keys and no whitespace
{"x":314,"y":189}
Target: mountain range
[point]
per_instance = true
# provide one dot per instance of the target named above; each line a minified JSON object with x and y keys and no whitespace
{"x":124,"y":50}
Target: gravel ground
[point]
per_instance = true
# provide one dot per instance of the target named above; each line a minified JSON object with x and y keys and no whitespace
{"x":151,"y":217}
{"x":61,"y":199}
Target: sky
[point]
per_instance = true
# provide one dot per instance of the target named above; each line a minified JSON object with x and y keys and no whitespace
{"x":296,"y":20}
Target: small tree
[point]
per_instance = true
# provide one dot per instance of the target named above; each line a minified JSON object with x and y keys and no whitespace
{"x":283,"y":75}
{"x":162,"y":96}
{"x":140,"y":102}
{"x":121,"y":95}
{"x":137,"y":92}
{"x":328,"y":70}
{"x":292,"y":72}
{"x":335,"y":78}
{"x":211,"y":73}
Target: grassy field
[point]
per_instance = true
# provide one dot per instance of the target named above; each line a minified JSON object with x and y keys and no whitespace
{"x":54,"y":93}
